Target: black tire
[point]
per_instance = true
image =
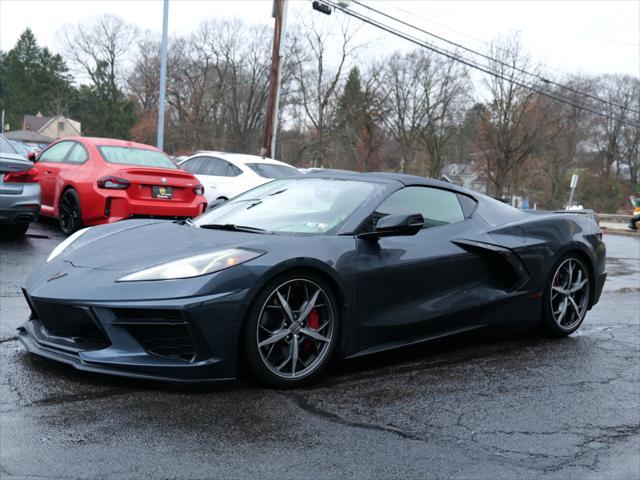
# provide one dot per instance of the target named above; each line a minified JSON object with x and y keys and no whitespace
{"x":15,"y":229}
{"x":556,"y":320}
{"x":264,"y":309}
{"x":69,"y":213}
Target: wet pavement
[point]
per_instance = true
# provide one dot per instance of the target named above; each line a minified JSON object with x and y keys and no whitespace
{"x":495,"y":405}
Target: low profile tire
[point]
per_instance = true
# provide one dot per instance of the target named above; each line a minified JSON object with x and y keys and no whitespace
{"x":566,"y":297}
{"x":291,"y":330}
{"x":69,"y":214}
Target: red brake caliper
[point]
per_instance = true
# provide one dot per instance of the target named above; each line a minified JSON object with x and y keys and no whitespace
{"x":313,"y":322}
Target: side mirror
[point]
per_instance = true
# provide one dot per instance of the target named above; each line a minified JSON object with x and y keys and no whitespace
{"x":217,"y":202}
{"x":396,"y":225}
{"x":31,"y":156}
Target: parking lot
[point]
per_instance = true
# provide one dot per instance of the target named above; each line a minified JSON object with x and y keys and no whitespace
{"x":496,"y":405}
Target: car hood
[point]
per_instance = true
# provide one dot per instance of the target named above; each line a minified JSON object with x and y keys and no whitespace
{"x":134,"y":245}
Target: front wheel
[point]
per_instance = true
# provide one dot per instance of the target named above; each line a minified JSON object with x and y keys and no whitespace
{"x":291,"y":330}
{"x":69,"y":216}
{"x":566,"y":299}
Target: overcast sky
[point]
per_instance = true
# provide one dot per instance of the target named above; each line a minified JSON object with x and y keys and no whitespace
{"x":571,"y":36}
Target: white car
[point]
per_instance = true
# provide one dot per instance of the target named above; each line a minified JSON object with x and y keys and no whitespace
{"x":225,"y":175}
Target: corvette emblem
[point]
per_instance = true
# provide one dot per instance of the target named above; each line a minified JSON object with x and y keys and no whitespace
{"x":164,"y":180}
{"x":56,"y":276}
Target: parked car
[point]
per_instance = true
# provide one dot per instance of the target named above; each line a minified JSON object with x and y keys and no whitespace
{"x":19,"y":190}
{"x":90,"y":181}
{"x":22,"y":148}
{"x":304,"y":269}
{"x":226,"y":175}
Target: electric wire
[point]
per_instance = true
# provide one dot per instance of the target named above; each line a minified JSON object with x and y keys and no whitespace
{"x":471,"y":64}
{"x":495,"y":60}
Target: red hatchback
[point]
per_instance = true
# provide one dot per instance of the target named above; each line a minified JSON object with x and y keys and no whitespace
{"x":89,"y":181}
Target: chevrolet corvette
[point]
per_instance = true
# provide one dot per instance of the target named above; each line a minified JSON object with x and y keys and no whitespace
{"x":305,"y":270}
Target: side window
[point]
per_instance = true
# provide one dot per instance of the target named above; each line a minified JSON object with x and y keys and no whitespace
{"x":56,"y":153}
{"x":209,"y":166}
{"x":192,"y":166}
{"x":233,"y":171}
{"x":438,"y":207}
{"x":227,"y":169}
{"x":77,"y":155}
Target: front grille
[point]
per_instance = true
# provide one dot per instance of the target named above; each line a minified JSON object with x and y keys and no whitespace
{"x":169,"y":340}
{"x":165,"y":333}
{"x":68,"y":324}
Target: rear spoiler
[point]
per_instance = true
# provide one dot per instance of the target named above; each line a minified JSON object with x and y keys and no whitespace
{"x":585,"y":212}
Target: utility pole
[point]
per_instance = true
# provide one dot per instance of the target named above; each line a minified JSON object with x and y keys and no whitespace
{"x":163,"y":75}
{"x":271,"y":120}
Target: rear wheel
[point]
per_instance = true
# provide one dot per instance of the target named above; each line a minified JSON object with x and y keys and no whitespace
{"x":291,"y":330}
{"x":566,"y":298}
{"x":69,"y":215}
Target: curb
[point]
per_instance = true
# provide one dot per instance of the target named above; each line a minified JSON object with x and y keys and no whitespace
{"x":625,"y":233}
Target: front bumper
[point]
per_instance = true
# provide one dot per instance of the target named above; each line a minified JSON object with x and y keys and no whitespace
{"x":186,"y":340}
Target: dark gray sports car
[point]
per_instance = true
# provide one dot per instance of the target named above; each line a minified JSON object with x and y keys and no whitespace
{"x":300,"y":270}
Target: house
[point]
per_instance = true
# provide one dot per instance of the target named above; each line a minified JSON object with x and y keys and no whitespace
{"x":52,"y":127}
{"x":464,"y":175}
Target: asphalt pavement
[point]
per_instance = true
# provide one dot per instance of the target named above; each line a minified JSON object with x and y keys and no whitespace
{"x":487,"y":406}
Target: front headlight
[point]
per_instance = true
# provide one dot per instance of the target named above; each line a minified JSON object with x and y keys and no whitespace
{"x":194,"y":266}
{"x":63,"y":246}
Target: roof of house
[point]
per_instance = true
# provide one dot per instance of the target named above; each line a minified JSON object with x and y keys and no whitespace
{"x":27,"y":136}
{"x":35,"y":122}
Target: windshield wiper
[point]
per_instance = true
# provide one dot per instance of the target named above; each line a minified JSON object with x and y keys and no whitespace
{"x":233,"y":228}
{"x":185,"y":221}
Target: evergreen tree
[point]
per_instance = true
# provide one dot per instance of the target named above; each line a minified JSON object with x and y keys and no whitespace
{"x":351,"y":118}
{"x":32,"y":79}
{"x":102,"y":108}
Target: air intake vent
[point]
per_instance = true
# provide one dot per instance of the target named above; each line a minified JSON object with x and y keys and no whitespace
{"x":169,"y":340}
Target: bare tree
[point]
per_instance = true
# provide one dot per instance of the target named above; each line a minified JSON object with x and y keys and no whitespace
{"x":616,"y":139}
{"x":508,"y":133}
{"x":316,"y":82}
{"x":445,"y":92}
{"x":403,"y":103}
{"x":99,"y":48}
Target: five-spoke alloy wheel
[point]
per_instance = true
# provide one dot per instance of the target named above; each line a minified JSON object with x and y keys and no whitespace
{"x":291,"y":330}
{"x":567,"y":296}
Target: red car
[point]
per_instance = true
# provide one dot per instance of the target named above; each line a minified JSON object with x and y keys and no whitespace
{"x":89,"y":181}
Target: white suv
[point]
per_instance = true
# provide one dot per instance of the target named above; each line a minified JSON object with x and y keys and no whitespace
{"x":225,"y":175}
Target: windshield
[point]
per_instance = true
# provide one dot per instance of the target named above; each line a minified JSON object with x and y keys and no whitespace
{"x":312,"y":206}
{"x":269,"y":170}
{"x":5,"y":146}
{"x":20,"y":147}
{"x":136,"y":156}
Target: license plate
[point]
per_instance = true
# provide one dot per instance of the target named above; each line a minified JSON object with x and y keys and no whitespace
{"x":162,"y":192}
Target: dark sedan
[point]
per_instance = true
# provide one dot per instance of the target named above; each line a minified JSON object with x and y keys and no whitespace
{"x":302,"y":270}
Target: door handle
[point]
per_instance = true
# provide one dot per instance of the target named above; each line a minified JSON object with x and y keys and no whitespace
{"x":48,"y":172}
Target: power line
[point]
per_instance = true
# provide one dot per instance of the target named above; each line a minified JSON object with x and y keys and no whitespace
{"x":491,"y":59}
{"x":470,"y":63}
